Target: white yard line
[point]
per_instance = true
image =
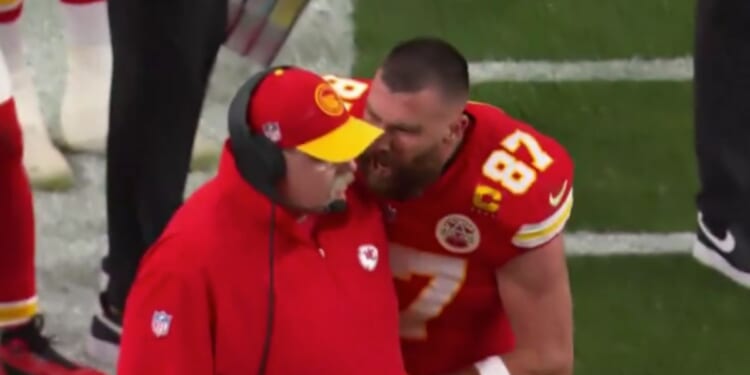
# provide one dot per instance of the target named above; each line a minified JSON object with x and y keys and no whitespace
{"x":677,"y":69}
{"x":586,"y":243}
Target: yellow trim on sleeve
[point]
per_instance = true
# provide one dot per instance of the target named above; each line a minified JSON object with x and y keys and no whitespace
{"x":532,"y":235}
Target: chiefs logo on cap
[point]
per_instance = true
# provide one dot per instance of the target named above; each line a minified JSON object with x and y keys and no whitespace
{"x":328,"y":101}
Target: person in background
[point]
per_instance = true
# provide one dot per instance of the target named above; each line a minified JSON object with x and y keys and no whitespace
{"x":83,"y":115}
{"x":24,"y":350}
{"x":722,"y":137}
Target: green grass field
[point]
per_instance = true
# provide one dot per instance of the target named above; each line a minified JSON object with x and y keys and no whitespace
{"x":635,"y":168}
{"x":523,"y":30}
{"x":657,"y":315}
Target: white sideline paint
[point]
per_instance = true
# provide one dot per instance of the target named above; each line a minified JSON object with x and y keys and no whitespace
{"x":586,"y":243}
{"x":676,"y":69}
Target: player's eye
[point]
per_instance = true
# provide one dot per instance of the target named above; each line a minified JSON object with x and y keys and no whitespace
{"x":406,"y":129}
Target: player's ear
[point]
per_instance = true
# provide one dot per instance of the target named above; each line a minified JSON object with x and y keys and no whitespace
{"x":464,"y":122}
{"x":457,"y":128}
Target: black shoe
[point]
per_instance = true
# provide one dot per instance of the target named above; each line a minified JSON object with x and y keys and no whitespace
{"x":25,"y":351}
{"x":103,"y":342}
{"x":725,"y":249}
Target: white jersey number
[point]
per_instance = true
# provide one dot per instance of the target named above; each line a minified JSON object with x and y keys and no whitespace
{"x":447,"y":274}
{"x":513,"y":174}
{"x":348,"y":89}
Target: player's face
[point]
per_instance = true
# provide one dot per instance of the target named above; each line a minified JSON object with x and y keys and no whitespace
{"x":312,"y":184}
{"x":418,"y":128}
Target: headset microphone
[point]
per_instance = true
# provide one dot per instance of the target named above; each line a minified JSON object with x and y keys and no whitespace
{"x":338,"y":205}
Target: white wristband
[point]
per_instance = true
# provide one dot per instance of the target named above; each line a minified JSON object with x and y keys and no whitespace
{"x":493,"y":365}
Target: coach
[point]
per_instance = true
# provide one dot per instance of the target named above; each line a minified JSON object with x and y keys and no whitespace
{"x":274,"y":266}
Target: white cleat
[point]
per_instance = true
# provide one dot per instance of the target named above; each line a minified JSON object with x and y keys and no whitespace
{"x":44,"y":163}
{"x":84,"y":116}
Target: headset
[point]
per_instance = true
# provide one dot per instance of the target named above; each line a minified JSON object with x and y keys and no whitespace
{"x":260,"y":162}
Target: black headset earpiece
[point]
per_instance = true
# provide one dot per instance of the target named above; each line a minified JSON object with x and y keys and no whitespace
{"x":259,"y":160}
{"x":261,"y":164}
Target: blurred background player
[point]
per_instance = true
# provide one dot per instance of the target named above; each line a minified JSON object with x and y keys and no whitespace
{"x":722,"y":136}
{"x":156,"y":101}
{"x":84,"y":108}
{"x":83,"y":116}
{"x":23,"y":348}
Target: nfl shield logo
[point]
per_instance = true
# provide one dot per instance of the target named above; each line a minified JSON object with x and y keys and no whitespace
{"x":160,"y":323}
{"x":272,"y":131}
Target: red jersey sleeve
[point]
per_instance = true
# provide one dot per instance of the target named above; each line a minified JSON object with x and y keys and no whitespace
{"x":539,"y":187}
{"x":166,"y":328}
{"x":526,"y":179}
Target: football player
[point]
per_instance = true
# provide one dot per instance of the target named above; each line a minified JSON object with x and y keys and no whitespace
{"x":24,"y":350}
{"x":478,"y":202}
{"x":83,"y":112}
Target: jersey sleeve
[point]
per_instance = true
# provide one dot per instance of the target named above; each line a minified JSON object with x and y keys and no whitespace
{"x":166,"y":329}
{"x":542,"y":213}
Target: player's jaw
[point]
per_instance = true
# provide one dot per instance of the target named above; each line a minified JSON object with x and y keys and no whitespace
{"x":393,"y":179}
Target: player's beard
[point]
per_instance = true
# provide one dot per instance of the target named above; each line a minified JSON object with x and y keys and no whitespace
{"x":392,"y":180}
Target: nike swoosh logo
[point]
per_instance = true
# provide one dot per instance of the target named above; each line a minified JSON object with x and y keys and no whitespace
{"x":725,"y":245}
{"x":554,"y":200}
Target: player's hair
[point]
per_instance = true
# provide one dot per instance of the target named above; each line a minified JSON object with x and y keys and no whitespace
{"x":423,"y":62}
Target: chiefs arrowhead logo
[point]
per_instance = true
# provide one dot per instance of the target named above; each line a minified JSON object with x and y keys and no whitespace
{"x":328,"y":101}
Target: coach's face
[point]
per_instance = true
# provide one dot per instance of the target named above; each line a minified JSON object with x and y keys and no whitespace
{"x":311,"y":184}
{"x":419,"y":128}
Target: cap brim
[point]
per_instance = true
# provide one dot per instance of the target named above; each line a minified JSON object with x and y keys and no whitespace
{"x":343,"y":144}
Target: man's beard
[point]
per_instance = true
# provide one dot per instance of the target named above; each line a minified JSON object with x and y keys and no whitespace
{"x":400,"y":182}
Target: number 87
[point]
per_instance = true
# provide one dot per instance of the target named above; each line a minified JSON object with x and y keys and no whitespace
{"x":513,"y":174}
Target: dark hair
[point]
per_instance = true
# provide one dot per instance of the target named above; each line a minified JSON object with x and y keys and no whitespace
{"x":418,"y":63}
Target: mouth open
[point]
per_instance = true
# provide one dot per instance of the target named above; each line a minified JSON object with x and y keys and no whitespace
{"x":380,"y":165}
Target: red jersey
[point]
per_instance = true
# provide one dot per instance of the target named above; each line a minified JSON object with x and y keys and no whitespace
{"x":509,"y":190}
{"x":199,"y":304}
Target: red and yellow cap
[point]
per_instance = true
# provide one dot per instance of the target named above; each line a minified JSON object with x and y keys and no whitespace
{"x":296,"y":108}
